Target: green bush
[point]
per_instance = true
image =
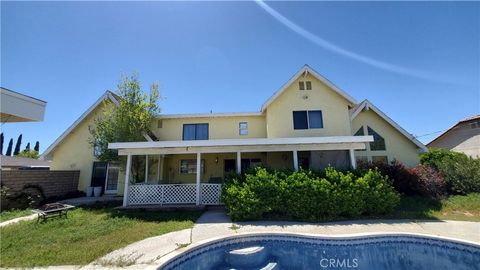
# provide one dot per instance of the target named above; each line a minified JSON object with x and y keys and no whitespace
{"x":305,"y":195}
{"x":462,"y":173}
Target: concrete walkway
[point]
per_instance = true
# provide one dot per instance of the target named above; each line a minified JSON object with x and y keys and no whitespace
{"x":212,"y":224}
{"x":16,"y":220}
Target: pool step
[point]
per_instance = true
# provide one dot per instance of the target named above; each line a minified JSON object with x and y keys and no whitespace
{"x":270,"y":266}
{"x":250,"y":257}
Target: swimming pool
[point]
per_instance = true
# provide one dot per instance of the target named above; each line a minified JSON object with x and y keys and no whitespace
{"x":290,"y":251}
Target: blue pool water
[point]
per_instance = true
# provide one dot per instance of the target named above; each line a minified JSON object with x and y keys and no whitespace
{"x":274,"y":252}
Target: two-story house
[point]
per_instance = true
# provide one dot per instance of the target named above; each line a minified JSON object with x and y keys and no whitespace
{"x":308,"y":123}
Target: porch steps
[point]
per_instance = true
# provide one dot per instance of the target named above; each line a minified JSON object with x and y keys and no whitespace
{"x":247,"y":258}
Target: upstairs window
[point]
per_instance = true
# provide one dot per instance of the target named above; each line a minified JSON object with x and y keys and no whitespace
{"x":307,"y":119}
{"x":308,"y":85}
{"x":360,"y":133}
{"x":378,"y":143}
{"x":301,"y":85}
{"x":195,"y":132}
{"x":243,"y":128}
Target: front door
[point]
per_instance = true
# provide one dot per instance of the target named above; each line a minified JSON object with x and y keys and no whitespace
{"x":111,"y":179}
{"x":99,"y":174}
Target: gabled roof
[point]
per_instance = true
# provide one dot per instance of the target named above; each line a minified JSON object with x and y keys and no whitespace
{"x":468,"y":119}
{"x":22,"y":162}
{"x":108,"y":95}
{"x":304,"y":71}
{"x":367,"y":105}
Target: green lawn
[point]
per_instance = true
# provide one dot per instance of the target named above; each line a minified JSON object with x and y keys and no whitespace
{"x":86,"y":235}
{"x":458,"y":207}
{"x":7,"y":215}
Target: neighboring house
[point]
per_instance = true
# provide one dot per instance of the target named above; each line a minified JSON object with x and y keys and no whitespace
{"x":8,"y":163}
{"x":463,"y":137}
{"x":16,"y":107}
{"x":308,"y":123}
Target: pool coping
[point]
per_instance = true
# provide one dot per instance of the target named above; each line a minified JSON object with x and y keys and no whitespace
{"x":163,"y":261}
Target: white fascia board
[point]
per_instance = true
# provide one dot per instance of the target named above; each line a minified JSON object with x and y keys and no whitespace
{"x":242,"y":142}
{"x":368,"y":105}
{"x":304,"y":70}
{"x":107,"y":95}
{"x":208,"y":115}
{"x":9,"y":92}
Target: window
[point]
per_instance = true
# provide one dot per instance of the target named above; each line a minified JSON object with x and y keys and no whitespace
{"x":308,"y":85}
{"x":159,"y":123}
{"x":380,"y":159}
{"x":195,"y":132}
{"x":360,"y":133}
{"x":378,"y":143}
{"x":307,"y":119}
{"x":301,"y":85}
{"x":243,"y":128}
{"x":189,"y":166}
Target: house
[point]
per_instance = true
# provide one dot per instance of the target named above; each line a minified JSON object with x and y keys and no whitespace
{"x":9,"y":163}
{"x":462,"y":137}
{"x":309,"y":123}
{"x":16,"y":107}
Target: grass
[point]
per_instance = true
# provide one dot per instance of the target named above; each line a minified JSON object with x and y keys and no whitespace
{"x":11,"y":214}
{"x":86,"y":235}
{"x":466,"y":208}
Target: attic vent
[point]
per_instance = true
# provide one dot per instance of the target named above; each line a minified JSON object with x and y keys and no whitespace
{"x":159,"y":123}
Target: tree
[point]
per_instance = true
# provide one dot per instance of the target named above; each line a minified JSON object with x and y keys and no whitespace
{"x":17,"y":145}
{"x":9,"y":148}
{"x":127,"y":122}
{"x":29,"y":154}
{"x":1,"y":143}
{"x":27,"y":148}
{"x":37,"y":147}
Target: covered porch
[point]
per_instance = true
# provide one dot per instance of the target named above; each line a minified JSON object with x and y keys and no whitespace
{"x":192,"y":172}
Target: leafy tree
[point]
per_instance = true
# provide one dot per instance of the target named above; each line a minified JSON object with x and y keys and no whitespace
{"x":29,"y":154}
{"x":27,"y":147}
{"x":18,"y":145}
{"x":37,"y":146}
{"x":127,"y":122}
{"x":1,"y":143}
{"x":9,"y":148}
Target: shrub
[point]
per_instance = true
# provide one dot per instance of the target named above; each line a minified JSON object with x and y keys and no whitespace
{"x":395,"y":171}
{"x":428,"y":182}
{"x":305,"y":195}
{"x":461,"y":173}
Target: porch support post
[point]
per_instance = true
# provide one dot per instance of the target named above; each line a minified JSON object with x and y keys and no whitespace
{"x":239,"y":162}
{"x":295,"y":160}
{"x":199,"y":163}
{"x":146,"y":169}
{"x":353,"y":161}
{"x":127,"y":180}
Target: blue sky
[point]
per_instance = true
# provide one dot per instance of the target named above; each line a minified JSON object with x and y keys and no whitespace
{"x":232,"y":56}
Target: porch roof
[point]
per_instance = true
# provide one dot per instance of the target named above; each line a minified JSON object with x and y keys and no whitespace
{"x":242,"y":145}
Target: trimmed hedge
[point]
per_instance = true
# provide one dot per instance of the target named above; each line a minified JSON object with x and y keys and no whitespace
{"x":305,"y":195}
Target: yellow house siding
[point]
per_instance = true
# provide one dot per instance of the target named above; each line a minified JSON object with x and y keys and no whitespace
{"x":336,"y":119}
{"x":75,"y":151}
{"x":397,"y":145}
{"x":218,"y":127}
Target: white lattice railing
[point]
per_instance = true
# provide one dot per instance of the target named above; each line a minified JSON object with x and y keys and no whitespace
{"x":143,"y":194}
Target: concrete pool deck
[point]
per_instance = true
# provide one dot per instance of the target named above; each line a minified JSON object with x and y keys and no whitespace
{"x":147,"y":253}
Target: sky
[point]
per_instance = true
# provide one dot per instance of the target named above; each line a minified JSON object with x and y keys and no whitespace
{"x":419,"y":62}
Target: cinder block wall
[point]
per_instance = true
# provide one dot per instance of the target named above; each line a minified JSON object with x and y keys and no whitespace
{"x":53,"y":183}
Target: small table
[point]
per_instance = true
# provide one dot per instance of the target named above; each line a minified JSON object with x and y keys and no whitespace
{"x":52,"y":210}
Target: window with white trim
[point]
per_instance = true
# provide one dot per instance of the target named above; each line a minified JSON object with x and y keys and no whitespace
{"x":243,"y":128}
{"x":307,"y":119}
{"x":189,"y":166}
{"x":301,"y":85}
